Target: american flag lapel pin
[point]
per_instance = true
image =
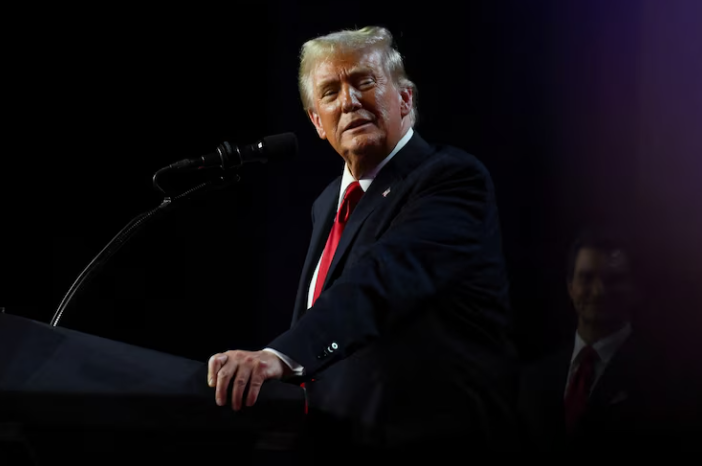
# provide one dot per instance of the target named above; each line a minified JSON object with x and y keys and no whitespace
{"x":386,"y":192}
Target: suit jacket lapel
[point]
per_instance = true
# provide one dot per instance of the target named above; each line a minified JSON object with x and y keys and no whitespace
{"x":613,"y":384}
{"x":365,"y":206}
{"x":389,"y":176}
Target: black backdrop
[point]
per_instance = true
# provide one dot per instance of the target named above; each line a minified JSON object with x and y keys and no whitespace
{"x":572,"y":106}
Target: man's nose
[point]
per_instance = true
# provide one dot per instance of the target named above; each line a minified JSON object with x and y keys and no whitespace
{"x":598,"y":288}
{"x":350,"y":99}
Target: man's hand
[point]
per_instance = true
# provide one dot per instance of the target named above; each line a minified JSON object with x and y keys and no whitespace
{"x":247,"y":368}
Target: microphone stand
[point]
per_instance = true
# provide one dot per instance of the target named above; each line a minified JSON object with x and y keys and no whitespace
{"x":134,"y":226}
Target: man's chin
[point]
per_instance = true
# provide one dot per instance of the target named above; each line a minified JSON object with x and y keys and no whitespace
{"x":365,"y":144}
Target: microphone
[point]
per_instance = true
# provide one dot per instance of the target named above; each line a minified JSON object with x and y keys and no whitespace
{"x":274,"y":148}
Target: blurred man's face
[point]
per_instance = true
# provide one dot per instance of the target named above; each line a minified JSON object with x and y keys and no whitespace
{"x":602,"y":288}
{"x":358,"y":109}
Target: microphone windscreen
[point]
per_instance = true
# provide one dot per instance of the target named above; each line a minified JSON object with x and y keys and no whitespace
{"x":280,"y":147}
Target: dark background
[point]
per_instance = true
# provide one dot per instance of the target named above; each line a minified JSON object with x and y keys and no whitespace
{"x":584,"y":112}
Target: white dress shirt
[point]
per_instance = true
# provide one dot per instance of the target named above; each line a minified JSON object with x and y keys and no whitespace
{"x":346,"y":179}
{"x":606,"y":348}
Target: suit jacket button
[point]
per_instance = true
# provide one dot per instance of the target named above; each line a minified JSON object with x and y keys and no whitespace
{"x":334,"y":345}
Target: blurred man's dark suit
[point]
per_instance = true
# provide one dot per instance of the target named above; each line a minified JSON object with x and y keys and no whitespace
{"x":407,"y":345}
{"x":632,"y":410}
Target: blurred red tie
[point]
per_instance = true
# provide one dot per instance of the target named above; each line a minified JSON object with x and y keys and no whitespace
{"x":351,"y":197}
{"x":579,"y":388}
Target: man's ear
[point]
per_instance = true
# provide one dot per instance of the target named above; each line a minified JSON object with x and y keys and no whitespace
{"x":405,"y":101}
{"x":317,"y":122}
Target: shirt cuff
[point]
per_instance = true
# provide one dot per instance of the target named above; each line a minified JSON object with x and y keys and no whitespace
{"x":297,"y":369}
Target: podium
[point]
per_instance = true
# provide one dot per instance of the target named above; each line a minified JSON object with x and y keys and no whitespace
{"x":70,"y":396}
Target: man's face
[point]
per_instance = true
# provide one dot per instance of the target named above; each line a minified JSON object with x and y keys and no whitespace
{"x":358,"y":109}
{"x":602,"y":288}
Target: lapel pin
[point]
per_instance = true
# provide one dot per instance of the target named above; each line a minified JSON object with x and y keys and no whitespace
{"x":386,"y":192}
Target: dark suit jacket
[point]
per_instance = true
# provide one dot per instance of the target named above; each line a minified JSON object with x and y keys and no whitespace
{"x":631,"y":411}
{"x":408,"y":339}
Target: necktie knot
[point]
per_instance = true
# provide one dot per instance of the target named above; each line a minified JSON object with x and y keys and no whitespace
{"x":588,"y":355}
{"x":351,"y":198}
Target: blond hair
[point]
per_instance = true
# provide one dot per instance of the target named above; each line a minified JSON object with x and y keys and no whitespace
{"x":322,"y":47}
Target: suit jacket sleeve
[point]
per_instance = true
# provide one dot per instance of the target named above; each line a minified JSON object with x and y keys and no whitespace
{"x":441,"y":245}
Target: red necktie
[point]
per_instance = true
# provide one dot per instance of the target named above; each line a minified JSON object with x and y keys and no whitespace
{"x":351,"y":197}
{"x":580,"y":385}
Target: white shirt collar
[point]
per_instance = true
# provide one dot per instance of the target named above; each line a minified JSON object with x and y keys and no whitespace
{"x":365,"y":182}
{"x":607,"y":347}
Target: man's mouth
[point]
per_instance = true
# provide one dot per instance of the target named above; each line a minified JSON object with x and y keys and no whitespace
{"x":356,"y":124}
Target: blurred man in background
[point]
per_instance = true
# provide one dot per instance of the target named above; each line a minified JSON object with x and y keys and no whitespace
{"x":609,"y":391}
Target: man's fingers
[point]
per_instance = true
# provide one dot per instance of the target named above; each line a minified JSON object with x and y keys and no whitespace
{"x":223,"y":376}
{"x":213,"y":366}
{"x":241,"y":369}
{"x":240,"y":382}
{"x":257,"y":379}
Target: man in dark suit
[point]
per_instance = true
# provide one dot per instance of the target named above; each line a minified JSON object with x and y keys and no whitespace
{"x":400,"y":324}
{"x":608,"y":392}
